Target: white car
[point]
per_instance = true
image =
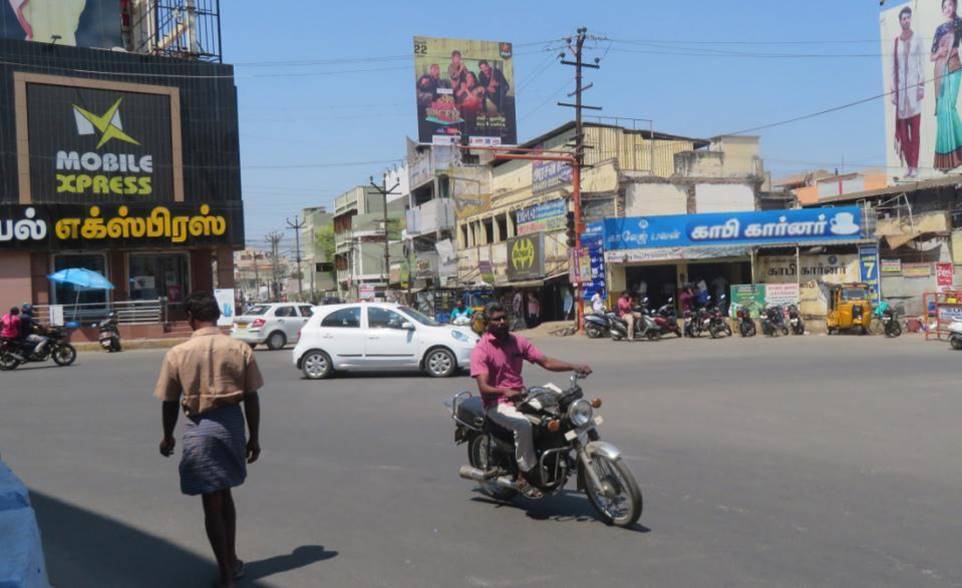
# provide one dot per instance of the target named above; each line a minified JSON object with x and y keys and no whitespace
{"x":380,"y":336}
{"x":275,"y":324}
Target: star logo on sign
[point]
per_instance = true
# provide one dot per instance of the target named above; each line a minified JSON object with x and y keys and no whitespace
{"x":109,"y":124}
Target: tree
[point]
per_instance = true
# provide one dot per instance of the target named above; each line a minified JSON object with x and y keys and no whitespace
{"x":324,"y":239}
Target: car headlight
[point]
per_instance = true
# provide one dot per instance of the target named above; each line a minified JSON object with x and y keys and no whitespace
{"x":459,"y":336}
{"x":580,"y":413}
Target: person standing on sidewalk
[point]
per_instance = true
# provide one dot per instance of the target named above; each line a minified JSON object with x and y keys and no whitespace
{"x":208,"y":377}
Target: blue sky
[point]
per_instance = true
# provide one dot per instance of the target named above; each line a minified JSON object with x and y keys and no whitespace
{"x":697,"y":68}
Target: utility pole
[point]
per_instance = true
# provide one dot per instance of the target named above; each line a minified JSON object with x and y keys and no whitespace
{"x":314,"y":261}
{"x":385,"y":192}
{"x":257,"y":279}
{"x":296,"y":226}
{"x":274,"y":238}
{"x":577,"y":51}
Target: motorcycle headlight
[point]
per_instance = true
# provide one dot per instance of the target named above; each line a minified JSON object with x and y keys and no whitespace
{"x":580,"y":413}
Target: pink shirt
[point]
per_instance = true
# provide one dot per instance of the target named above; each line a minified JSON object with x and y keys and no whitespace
{"x":10,"y":327}
{"x":624,"y":306}
{"x":502,"y":363}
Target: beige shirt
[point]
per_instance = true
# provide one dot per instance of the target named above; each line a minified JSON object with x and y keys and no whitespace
{"x":208,"y":371}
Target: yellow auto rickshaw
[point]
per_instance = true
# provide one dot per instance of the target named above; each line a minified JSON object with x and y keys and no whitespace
{"x":849,"y":307}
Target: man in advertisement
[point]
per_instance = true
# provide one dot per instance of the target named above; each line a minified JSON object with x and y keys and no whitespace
{"x":908,"y":81}
{"x":495,"y":86}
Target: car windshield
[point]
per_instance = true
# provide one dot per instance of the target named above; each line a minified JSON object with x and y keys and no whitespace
{"x":854,"y":294}
{"x":424,"y":320}
{"x":257,"y":309}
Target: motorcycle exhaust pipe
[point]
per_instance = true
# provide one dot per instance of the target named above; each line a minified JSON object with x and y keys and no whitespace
{"x":469,"y":473}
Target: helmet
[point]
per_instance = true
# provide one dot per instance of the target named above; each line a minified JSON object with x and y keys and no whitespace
{"x":27,"y":309}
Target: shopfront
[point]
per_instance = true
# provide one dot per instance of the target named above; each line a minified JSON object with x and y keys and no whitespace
{"x":134,"y":177}
{"x":656,"y":256}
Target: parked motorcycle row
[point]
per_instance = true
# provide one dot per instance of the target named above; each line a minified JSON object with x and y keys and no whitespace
{"x":775,"y":320}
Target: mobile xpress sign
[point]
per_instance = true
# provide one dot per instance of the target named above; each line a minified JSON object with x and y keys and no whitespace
{"x":735,"y":228}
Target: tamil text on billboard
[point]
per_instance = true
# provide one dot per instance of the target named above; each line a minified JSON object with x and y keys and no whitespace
{"x":465,"y":92}
{"x":921,"y":72}
{"x":80,"y":23}
{"x":545,"y":217}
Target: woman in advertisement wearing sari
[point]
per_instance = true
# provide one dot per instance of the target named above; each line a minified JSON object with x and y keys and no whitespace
{"x":948,"y":75}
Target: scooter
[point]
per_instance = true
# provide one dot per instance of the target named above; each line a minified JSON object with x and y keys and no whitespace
{"x":795,"y":320}
{"x":773,"y":321}
{"x":666,"y":319}
{"x":955,"y":335}
{"x":109,"y":334}
{"x":746,"y":326}
{"x":644,"y":327}
{"x":597,"y":325}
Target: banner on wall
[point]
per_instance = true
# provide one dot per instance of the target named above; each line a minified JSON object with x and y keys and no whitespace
{"x":549,"y":216}
{"x":868,"y":263}
{"x":755,"y":297}
{"x":225,"y":301}
{"x":945,"y":276}
{"x":840,"y":224}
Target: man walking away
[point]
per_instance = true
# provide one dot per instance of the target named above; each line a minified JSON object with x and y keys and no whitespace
{"x":908,"y":83}
{"x":209,"y":376}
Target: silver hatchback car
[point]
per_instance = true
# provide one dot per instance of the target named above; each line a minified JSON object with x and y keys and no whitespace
{"x":275,"y":324}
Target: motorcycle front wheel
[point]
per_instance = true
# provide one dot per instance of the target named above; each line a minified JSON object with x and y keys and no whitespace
{"x":619,"y":500}
{"x":728,"y":329}
{"x":64,"y":354}
{"x":893,"y":329}
{"x":593,"y":331}
{"x":478,"y":457}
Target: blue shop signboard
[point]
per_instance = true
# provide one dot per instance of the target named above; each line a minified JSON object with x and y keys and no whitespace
{"x":735,"y":228}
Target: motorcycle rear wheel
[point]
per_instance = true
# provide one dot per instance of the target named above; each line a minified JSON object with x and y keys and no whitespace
{"x":8,"y":361}
{"x":478,"y":457}
{"x":956,"y":343}
{"x":619,"y":477}
{"x":63,"y":354}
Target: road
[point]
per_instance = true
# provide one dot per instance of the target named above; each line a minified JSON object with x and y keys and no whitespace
{"x":811,"y":461}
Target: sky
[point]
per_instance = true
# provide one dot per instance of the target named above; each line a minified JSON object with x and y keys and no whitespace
{"x":312,"y":124}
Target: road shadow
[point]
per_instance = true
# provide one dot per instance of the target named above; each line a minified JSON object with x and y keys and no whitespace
{"x":380,"y":375}
{"x":83,"y":548}
{"x":566,"y":506}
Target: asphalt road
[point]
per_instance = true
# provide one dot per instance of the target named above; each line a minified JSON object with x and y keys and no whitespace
{"x":809,"y":461}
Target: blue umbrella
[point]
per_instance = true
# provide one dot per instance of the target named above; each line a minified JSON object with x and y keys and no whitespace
{"x":81,"y":278}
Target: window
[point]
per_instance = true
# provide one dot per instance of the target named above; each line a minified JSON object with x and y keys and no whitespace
{"x":502,"y":227}
{"x":488,"y":230}
{"x":257,"y":310}
{"x":424,"y":320}
{"x":307,"y":310}
{"x":382,"y":318}
{"x":346,"y":317}
{"x":285,"y":311}
{"x":153,"y":276}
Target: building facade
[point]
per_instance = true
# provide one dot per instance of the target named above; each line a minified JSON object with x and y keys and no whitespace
{"x":359,"y":238}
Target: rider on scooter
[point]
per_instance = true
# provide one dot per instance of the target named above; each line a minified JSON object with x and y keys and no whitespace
{"x":496,"y":364}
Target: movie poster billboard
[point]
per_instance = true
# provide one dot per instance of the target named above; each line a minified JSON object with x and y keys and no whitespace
{"x":465,"y":92}
{"x":922,"y":74}
{"x":77,"y":23}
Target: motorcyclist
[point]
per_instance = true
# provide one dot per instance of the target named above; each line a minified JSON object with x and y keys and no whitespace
{"x":496,"y":364}
{"x":31,"y":339}
{"x":461,"y":310}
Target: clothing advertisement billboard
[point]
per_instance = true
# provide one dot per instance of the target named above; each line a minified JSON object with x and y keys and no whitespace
{"x":465,"y":92}
{"x":77,"y":23}
{"x":922,"y":72}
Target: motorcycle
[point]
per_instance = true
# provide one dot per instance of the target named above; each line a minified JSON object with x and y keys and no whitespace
{"x":58,"y":348}
{"x":597,"y":325}
{"x":109,"y":336}
{"x":666,"y":319}
{"x":773,"y":321}
{"x":697,"y":321}
{"x":566,"y":441}
{"x":885,"y":313}
{"x":795,"y":320}
{"x":644,"y":327}
{"x":955,"y":335}
{"x":716,"y":321}
{"x":746,"y":326}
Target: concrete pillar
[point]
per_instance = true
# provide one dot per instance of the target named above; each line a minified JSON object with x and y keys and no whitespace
{"x":40,"y":268}
{"x":15,"y":279}
{"x":225,"y":267}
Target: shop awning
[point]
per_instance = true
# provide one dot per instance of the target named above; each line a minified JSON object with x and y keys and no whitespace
{"x":809,"y":244}
{"x":531,"y":283}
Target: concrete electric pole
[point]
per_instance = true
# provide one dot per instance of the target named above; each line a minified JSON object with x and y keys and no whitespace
{"x":385,"y":192}
{"x":296,"y":226}
{"x":274,"y":238}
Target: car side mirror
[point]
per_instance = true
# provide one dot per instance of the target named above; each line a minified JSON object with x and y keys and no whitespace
{"x":407,"y":326}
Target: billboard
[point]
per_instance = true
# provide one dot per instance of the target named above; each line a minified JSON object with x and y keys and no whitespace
{"x":77,"y":23}
{"x":525,"y":257}
{"x":465,"y":92}
{"x":88,"y":138}
{"x":921,"y":73}
{"x":545,"y":217}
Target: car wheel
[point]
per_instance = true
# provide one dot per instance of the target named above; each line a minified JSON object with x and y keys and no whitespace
{"x":440,"y":363}
{"x":316,"y":365}
{"x":276,"y":341}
